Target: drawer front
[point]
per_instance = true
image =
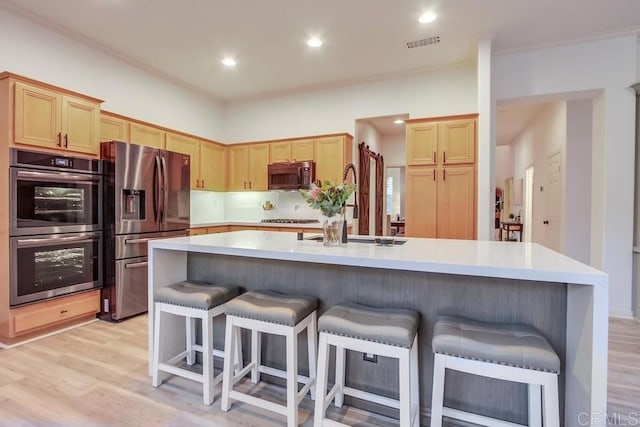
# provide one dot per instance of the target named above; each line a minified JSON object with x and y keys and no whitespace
{"x":48,"y":313}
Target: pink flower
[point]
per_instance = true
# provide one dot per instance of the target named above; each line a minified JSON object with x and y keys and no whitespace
{"x":316,"y":194}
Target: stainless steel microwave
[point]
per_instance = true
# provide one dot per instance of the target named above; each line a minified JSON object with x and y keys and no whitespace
{"x":291,"y":176}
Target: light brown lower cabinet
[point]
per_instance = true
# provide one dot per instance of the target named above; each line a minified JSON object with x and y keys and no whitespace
{"x":440,"y":202}
{"x":34,"y":317}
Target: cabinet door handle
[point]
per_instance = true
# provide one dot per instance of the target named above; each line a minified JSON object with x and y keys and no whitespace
{"x":59,"y":144}
{"x":434,"y":174}
{"x":66,"y":140}
{"x":444,"y":174}
{"x":249,"y":185}
{"x":203,"y":183}
{"x":197,"y":183}
{"x":444,"y":157}
{"x":434,"y":157}
{"x":63,"y":311}
{"x":245,"y":185}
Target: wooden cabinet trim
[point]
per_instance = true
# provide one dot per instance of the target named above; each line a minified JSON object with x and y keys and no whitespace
{"x":17,"y":77}
{"x":442,"y":118}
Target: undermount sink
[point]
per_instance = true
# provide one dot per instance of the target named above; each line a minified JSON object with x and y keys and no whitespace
{"x":380,"y":241}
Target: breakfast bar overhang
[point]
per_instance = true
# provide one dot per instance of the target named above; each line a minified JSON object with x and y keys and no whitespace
{"x":491,"y":281}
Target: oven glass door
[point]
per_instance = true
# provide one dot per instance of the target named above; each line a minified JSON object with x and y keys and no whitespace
{"x":54,"y":202}
{"x":48,"y":266}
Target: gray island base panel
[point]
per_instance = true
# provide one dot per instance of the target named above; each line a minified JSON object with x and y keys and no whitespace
{"x":570,"y":315}
{"x":489,"y":299}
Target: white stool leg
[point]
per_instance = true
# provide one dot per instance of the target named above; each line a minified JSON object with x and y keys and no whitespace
{"x":437,"y":393}
{"x":238,"y":352}
{"x":156,"y":346}
{"x":227,"y":375}
{"x":292,"y":378}
{"x":321,"y":380}
{"x":415,"y":383}
{"x":207,"y":358}
{"x":404,"y":374}
{"x":340,"y":367}
{"x":312,"y":338}
{"x":256,"y":355}
{"x":535,"y":405}
{"x":190,"y":323}
{"x":550,"y":402}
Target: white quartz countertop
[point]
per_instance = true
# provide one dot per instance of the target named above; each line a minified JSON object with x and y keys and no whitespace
{"x":317,"y":225}
{"x":513,"y":260}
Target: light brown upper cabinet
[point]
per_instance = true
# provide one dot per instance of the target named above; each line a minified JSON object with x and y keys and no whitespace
{"x":113,"y":128}
{"x":447,"y":142}
{"x":302,"y":150}
{"x":147,"y":135}
{"x":280,"y":152}
{"x":213,"y":166}
{"x":248,"y":167}
{"x":54,"y":120}
{"x":297,"y":150}
{"x":332,"y":153}
{"x":208,"y":171}
{"x":441,"y":194}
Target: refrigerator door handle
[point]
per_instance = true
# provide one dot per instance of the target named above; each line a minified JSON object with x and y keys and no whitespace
{"x":156,"y":190}
{"x":163,"y":190}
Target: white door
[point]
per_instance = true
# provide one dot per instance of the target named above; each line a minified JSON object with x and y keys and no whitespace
{"x":552,"y":191}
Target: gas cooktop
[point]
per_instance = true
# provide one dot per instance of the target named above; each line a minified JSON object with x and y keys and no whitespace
{"x":290,"y":221}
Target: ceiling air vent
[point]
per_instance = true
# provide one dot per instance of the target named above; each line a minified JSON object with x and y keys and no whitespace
{"x":423,"y":42}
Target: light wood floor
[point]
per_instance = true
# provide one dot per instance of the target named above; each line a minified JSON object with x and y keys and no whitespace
{"x":96,"y":375}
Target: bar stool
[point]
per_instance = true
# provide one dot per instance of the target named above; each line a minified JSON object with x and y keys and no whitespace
{"x":383,"y":331}
{"x":192,"y":300}
{"x":511,"y":352}
{"x":273,"y":313}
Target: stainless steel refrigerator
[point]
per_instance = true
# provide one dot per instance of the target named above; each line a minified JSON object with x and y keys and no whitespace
{"x":146,"y":193}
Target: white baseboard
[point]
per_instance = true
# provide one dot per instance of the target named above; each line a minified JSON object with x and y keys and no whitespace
{"x":621,"y":314}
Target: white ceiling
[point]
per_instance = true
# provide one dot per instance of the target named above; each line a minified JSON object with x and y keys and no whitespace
{"x":185,"y":40}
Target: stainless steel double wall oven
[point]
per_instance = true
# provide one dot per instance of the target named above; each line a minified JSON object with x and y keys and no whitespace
{"x":55,"y":225}
{"x":147,"y":196}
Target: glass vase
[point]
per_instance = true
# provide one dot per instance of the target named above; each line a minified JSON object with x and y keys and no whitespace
{"x":332,"y":229}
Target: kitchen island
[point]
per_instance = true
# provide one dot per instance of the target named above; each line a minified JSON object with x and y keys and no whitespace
{"x":491,"y":281}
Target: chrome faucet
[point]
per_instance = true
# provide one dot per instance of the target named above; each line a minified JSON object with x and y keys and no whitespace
{"x":350,"y":167}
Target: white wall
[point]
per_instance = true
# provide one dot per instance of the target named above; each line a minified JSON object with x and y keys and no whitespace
{"x":610,"y":66}
{"x":436,"y":93}
{"x":393,"y":149}
{"x":369,"y":135}
{"x":545,"y":135}
{"x":37,"y":52}
{"x":504,"y":164}
{"x":577,"y":180}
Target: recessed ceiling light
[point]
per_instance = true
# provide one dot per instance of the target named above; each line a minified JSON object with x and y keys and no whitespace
{"x":314,"y":42}
{"x":229,"y":62}
{"x":398,"y":122}
{"x":427,"y":17}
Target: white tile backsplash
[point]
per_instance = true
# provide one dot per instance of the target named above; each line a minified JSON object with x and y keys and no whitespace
{"x":208,"y":206}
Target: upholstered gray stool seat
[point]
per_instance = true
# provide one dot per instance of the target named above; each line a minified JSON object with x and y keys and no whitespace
{"x":274,"y":313}
{"x":191,"y":300}
{"x":391,"y":326}
{"x":516,"y":345}
{"x":195,"y":294}
{"x":272,"y":306}
{"x":387,"y":332}
{"x":511,"y":352}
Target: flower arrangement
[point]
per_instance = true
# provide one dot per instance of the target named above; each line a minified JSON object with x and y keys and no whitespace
{"x":329,"y":198}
